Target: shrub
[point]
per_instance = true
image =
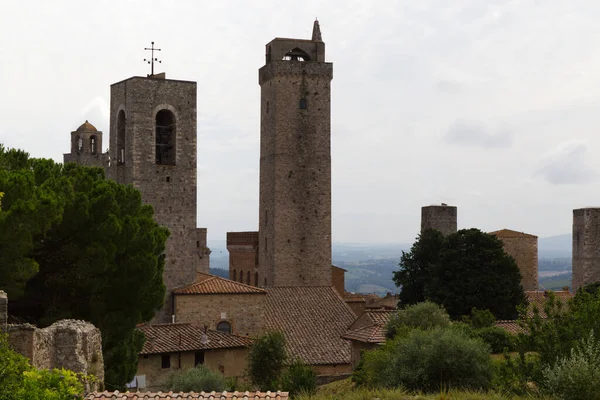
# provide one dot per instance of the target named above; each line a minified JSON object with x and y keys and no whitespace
{"x":426,"y":315}
{"x":196,"y":379}
{"x":266,"y":360}
{"x":515,"y":375}
{"x":480,"y":318}
{"x":298,"y":378}
{"x":497,"y":338}
{"x":575,"y":377}
{"x":12,"y":366}
{"x":373,"y":368}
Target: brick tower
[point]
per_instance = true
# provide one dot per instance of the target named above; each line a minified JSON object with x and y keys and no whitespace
{"x":295,"y":164}
{"x":153,"y":147}
{"x":442,"y":217}
{"x":586,"y":247}
{"x":86,"y":147}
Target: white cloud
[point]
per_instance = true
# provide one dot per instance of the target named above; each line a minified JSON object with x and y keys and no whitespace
{"x":566,"y":164}
{"x":477,"y":134}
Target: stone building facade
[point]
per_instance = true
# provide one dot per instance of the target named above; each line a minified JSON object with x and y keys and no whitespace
{"x":153,"y":147}
{"x":86,"y":147}
{"x":295,"y":163}
{"x":586,"y":247}
{"x":523,"y":247}
{"x":442,"y":217}
{"x":243,"y":257}
{"x":338,"y":277}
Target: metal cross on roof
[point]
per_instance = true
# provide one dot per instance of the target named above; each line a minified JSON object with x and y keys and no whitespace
{"x":152,"y":59}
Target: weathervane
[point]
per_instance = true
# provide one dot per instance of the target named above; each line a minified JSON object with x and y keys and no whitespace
{"x":152,"y":59}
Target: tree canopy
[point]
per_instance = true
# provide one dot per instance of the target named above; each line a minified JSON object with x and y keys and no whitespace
{"x":74,"y":244}
{"x":460,"y":271}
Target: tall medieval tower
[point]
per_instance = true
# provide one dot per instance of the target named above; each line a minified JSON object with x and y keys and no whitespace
{"x":295,"y":164}
{"x":153,"y":148}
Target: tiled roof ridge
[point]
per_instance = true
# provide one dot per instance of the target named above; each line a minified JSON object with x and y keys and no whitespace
{"x":210,"y":278}
{"x":268,"y":395}
{"x":505,"y":231}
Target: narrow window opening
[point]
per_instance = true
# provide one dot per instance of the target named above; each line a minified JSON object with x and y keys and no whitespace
{"x":165,"y":138}
{"x":234,"y":275}
{"x":302,"y":104}
{"x":268,"y":57}
{"x":168,"y":179}
{"x":79,"y":142}
{"x":93,"y":144}
{"x":165,"y":361}
{"x":248,"y":281}
{"x":199,"y":358}
{"x":121,"y":138}
{"x":224,"y":326}
{"x":198,"y":244}
{"x":265,"y":283}
{"x":267,"y":107}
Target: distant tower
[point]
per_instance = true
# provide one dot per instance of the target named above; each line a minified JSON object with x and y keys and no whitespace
{"x":243,"y":257}
{"x":586,"y":247}
{"x":442,"y":217}
{"x":295,"y":164}
{"x":86,"y":147}
{"x":523,"y":247}
{"x":153,"y":147}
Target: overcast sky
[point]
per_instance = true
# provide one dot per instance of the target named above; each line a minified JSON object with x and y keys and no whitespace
{"x":492,"y":106}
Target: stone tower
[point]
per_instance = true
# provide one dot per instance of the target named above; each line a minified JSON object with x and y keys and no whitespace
{"x":295,"y":164}
{"x":153,"y":147}
{"x":442,"y":217}
{"x":586,"y":247}
{"x":523,"y":247}
{"x":86,"y":147}
{"x":243,"y":257}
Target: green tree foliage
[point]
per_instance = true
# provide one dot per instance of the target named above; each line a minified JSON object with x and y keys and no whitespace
{"x":298,"y":378}
{"x":425,"y":315}
{"x":12,"y":367}
{"x":197,"y":379}
{"x":479,"y":318}
{"x":428,"y":361}
{"x":577,"y":376}
{"x":416,"y":266}
{"x":267,"y":359}
{"x":463,"y":270}
{"x":80,"y":246}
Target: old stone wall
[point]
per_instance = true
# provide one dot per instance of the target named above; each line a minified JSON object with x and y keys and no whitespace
{"x":586,"y":246}
{"x":442,"y":217}
{"x":245,"y":312}
{"x":243,"y":257}
{"x":295,"y":174}
{"x":338,"y":276}
{"x":524,"y":249}
{"x":170,"y":189}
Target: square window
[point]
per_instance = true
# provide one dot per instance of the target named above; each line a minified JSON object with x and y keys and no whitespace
{"x":165,"y":361}
{"x":199,"y":358}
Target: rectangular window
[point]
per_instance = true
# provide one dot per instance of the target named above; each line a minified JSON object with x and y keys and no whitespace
{"x":199,"y":358}
{"x":165,"y":361}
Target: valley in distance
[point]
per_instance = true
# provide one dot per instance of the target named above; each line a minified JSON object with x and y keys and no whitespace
{"x":370,"y":266}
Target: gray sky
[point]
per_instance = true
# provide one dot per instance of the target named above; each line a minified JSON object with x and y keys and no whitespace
{"x":491,"y":106}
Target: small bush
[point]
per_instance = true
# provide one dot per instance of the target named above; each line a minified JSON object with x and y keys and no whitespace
{"x":480,"y":318}
{"x":266,"y":360}
{"x":575,"y":377}
{"x":516,"y":375}
{"x":497,"y":338}
{"x":298,"y":378}
{"x":196,"y":379}
{"x":426,"y":315}
{"x":373,"y":368}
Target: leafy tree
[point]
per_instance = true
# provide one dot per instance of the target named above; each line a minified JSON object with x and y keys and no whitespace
{"x":298,"y":378}
{"x":76,"y":245}
{"x":479,"y":318}
{"x":426,"y":315}
{"x":416,"y":265}
{"x":197,"y":379}
{"x":12,"y":367}
{"x":267,"y":359}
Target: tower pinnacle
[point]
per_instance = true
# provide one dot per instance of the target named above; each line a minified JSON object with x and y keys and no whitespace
{"x":316,"y":34}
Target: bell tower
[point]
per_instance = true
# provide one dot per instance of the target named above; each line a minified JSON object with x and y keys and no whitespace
{"x":295,"y":164}
{"x":153,"y":148}
{"x":86,"y":147}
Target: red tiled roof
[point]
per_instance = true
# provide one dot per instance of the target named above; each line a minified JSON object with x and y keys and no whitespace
{"x":370,"y":326}
{"x":172,"y":338}
{"x":538,"y":298}
{"x":509,"y":233}
{"x":188,"y":396}
{"x":211,"y":284}
{"x":389,"y":302}
{"x":354,"y":297}
{"x":313,"y":319}
{"x":511,"y":327}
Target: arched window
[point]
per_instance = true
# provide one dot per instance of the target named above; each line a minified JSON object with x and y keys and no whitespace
{"x":224,"y":326}
{"x":93,"y":144}
{"x":256,"y":279}
{"x":79,"y":143}
{"x":234,"y":275}
{"x":121,"y":137}
{"x":165,"y":138}
{"x":265,"y":281}
{"x":297,"y":54}
{"x":248,"y":281}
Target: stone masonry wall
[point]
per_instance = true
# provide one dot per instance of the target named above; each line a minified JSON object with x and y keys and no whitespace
{"x":295,"y":174}
{"x":245,"y":312}
{"x":338,"y":276}
{"x":524,"y":249}
{"x":443,"y":218}
{"x":243,"y":257}
{"x":586,"y":247}
{"x":170,"y":189}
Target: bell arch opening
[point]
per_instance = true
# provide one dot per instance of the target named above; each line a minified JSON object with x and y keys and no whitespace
{"x":296,"y":54}
{"x":165,"y":137}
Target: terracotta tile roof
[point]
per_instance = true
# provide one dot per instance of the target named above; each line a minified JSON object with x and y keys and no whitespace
{"x":538,"y":298}
{"x":354,"y":297}
{"x":188,"y":396}
{"x":171,"y":338}
{"x":389,"y":302}
{"x":369,"y":327}
{"x":511,"y":327}
{"x":508,"y":233}
{"x":211,"y":284}
{"x":313,"y":319}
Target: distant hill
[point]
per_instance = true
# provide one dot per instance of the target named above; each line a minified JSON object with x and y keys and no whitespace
{"x":560,"y":246}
